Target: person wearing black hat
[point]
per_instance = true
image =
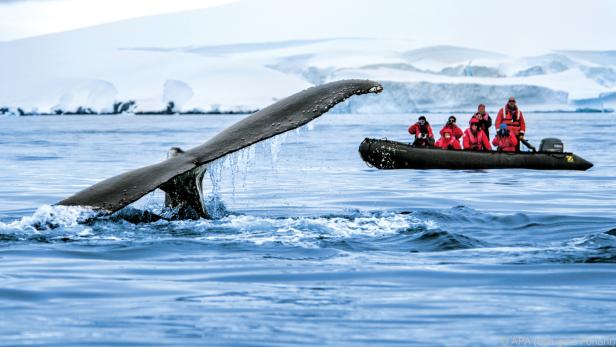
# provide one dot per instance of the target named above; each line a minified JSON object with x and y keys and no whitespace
{"x":422,"y":132}
{"x":453,"y":127}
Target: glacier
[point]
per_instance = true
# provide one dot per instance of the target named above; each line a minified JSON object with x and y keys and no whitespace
{"x":175,"y":63}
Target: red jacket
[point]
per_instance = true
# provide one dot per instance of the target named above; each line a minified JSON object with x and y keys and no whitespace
{"x":476,"y":142}
{"x":506,"y":144}
{"x":455,"y":130}
{"x":515,"y":125}
{"x":443,"y":143}
{"x":485,"y":122}
{"x":415,"y":130}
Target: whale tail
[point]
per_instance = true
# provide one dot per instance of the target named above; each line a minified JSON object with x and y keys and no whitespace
{"x":184,"y":192}
{"x":180,"y":175}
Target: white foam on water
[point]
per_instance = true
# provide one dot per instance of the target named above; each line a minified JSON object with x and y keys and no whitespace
{"x":307,"y":232}
{"x":47,"y":216}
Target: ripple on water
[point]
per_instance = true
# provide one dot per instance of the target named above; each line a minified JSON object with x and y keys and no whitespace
{"x":460,"y":232}
{"x":309,"y":246}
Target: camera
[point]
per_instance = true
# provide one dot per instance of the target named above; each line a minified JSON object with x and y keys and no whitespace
{"x":503,"y":132}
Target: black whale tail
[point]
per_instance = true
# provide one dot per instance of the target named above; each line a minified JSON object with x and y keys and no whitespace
{"x":287,"y":114}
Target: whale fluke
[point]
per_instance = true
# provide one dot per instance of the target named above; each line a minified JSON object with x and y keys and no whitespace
{"x":184,"y":192}
{"x":287,"y":114}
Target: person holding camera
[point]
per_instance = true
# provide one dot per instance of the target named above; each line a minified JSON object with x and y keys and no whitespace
{"x":424,"y":137}
{"x":505,"y":140}
{"x":514,"y":119}
{"x":448,"y":141}
{"x":485,"y":121}
{"x":453,"y":128}
{"x":475,"y":139}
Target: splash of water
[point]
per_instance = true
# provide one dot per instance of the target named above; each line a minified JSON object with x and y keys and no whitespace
{"x":275,"y":145}
{"x":237,"y":166}
{"x":51,"y":217}
{"x":213,"y":203}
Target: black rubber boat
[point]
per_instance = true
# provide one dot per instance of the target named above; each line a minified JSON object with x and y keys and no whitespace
{"x":385,"y":154}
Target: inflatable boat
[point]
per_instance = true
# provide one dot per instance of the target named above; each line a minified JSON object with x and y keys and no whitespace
{"x":385,"y":154}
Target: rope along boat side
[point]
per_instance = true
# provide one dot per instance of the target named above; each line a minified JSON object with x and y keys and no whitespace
{"x":385,"y":154}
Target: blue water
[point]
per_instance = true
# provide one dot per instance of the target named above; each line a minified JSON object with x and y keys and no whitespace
{"x":310,"y":246}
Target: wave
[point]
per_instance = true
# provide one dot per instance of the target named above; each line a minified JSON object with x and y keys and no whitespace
{"x":458,"y":235}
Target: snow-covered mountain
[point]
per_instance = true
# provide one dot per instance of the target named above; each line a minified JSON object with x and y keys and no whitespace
{"x":197,"y":61}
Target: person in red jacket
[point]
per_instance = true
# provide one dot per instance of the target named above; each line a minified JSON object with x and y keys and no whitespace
{"x":505,"y":140}
{"x":513,"y":117}
{"x":475,"y":139}
{"x":485,"y":121}
{"x":453,"y":127}
{"x":448,"y":141}
{"x":424,"y":137}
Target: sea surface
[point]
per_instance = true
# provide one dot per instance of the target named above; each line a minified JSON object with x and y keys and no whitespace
{"x":309,"y":245}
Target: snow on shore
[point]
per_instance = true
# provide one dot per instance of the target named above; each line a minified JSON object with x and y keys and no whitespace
{"x":154,"y":61}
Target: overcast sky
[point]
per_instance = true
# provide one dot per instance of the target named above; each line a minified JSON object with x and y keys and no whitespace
{"x":25,"y":18}
{"x":492,"y":24}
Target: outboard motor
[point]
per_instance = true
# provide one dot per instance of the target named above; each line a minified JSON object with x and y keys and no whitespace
{"x":552,"y":145}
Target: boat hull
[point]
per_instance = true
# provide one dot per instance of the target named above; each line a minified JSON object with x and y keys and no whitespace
{"x":385,"y":154}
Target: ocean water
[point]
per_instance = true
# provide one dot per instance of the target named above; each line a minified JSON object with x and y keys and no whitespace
{"x":309,"y":245}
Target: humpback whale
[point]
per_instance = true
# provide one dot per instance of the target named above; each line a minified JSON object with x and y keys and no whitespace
{"x":181,"y":174}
